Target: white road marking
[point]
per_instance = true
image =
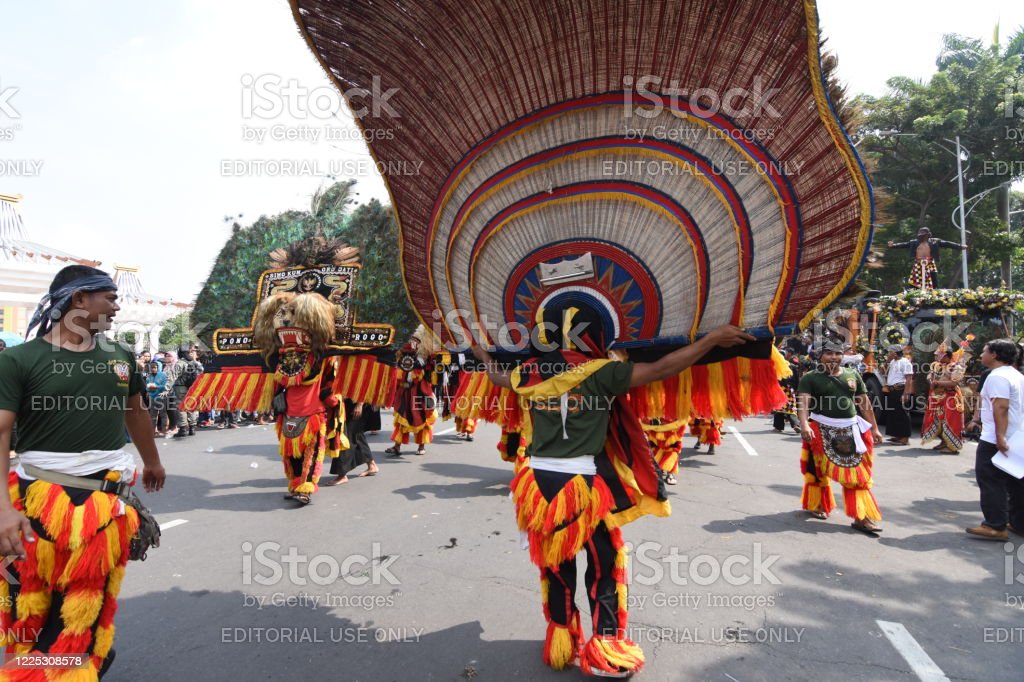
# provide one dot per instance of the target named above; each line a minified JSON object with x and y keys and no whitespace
{"x":172,"y":524}
{"x":441,"y":433}
{"x":743,"y":441}
{"x":922,"y":664}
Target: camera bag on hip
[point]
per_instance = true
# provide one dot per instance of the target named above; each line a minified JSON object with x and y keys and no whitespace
{"x":148,"y":534}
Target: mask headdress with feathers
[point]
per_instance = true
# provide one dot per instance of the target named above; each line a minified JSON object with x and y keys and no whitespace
{"x":544,"y":197}
{"x":313,"y":251}
{"x":310,"y":312}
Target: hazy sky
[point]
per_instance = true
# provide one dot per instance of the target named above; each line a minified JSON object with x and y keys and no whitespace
{"x":134,"y":107}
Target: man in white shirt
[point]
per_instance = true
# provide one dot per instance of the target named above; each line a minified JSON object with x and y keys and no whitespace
{"x":899,"y":392}
{"x":1002,"y":413}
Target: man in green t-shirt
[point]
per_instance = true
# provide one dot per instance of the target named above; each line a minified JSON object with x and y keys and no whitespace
{"x":577,"y":492}
{"x":73,"y":393}
{"x":837,"y":443}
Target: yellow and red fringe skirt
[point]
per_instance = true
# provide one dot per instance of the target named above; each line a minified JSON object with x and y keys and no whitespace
{"x":558,"y":529}
{"x":819,"y":472}
{"x":303,"y":455}
{"x":75,"y":565}
{"x":666,"y":441}
{"x":421,"y":434}
{"x":707,"y":431}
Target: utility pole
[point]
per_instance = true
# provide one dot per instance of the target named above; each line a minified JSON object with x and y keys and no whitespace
{"x":1009,"y":233}
{"x":963,"y":224}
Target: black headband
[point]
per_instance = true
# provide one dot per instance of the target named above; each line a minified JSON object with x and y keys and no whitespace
{"x":53,"y":306}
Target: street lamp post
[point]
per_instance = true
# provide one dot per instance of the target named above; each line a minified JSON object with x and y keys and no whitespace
{"x":963,"y":222}
{"x":1009,"y":231}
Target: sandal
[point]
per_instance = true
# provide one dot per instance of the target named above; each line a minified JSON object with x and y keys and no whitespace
{"x":866,"y":526}
{"x":421,"y":452}
{"x":393,"y":451}
{"x":818,"y":514}
{"x":671,"y":479}
{"x":302,"y":498}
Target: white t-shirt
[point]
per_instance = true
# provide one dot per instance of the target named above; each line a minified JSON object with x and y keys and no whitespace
{"x":899,"y":370}
{"x":1002,"y":382}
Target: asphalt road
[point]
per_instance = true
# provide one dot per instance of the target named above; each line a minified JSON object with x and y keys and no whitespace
{"x":417,"y":573}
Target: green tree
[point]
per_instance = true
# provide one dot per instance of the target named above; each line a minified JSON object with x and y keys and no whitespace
{"x":905,"y":141}
{"x":177,"y":332}
{"x":228,"y":295}
{"x":380,"y":293}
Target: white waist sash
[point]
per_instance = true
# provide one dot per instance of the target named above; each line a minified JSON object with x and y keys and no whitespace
{"x":859,"y":424}
{"x":79,"y":463}
{"x":583,"y":465}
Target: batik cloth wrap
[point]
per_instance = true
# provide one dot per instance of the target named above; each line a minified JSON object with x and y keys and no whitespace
{"x":923,"y":274}
{"x":944,"y":416}
{"x":842,"y":450}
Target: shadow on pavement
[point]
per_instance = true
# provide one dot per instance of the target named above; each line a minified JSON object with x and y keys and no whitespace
{"x":206,"y":635}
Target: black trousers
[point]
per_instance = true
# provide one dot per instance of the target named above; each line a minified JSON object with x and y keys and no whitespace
{"x":897,"y":417}
{"x":358,"y":452}
{"x":599,"y":578}
{"x":1002,"y":495}
{"x":780,"y":419}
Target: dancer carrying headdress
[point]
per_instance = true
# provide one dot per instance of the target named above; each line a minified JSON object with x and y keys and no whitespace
{"x":590,"y":472}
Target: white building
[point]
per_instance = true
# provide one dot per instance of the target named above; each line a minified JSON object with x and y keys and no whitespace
{"x":141,"y":312}
{"x":27,"y":268}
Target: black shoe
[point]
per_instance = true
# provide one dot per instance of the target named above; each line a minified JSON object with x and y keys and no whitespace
{"x":107,"y":662}
{"x":191,"y":430}
{"x":180,"y":433}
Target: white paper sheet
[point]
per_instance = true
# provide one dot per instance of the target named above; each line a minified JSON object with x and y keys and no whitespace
{"x":1014,"y":463}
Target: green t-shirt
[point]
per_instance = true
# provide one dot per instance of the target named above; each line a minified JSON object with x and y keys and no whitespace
{"x":588,"y":408}
{"x":68,"y":401}
{"x":833,"y":396}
